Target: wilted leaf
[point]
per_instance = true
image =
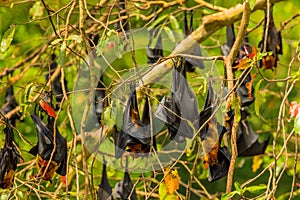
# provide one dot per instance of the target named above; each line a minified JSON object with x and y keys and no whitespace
{"x":171,"y":180}
{"x":7,"y":38}
{"x":163,"y":195}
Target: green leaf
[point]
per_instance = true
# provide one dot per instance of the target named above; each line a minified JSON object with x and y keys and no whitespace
{"x":258,"y":99}
{"x":237,"y":187}
{"x":157,"y":21}
{"x":27,"y":99}
{"x":108,"y":118}
{"x":235,"y":104}
{"x":7,"y":38}
{"x":62,"y":55}
{"x":170,"y":33}
{"x":174,"y":22}
{"x":256,"y":188}
{"x":229,"y":195}
{"x":297,"y":124}
{"x":252,"y":3}
{"x":36,"y":10}
{"x":56,"y":41}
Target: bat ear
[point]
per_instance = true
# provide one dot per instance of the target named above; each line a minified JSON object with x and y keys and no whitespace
{"x":154,"y":51}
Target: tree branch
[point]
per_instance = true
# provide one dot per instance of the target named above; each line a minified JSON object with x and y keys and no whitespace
{"x":210,"y":24}
{"x":228,"y":64}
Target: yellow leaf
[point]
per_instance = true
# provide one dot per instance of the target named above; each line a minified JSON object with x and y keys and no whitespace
{"x":171,"y":180}
{"x":257,"y":161}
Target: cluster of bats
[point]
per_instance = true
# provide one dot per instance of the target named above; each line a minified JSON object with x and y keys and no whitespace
{"x":179,"y":112}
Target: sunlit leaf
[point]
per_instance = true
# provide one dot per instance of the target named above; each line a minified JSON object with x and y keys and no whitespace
{"x":174,"y":22}
{"x":256,"y":188}
{"x":7,"y":38}
{"x":237,"y":186}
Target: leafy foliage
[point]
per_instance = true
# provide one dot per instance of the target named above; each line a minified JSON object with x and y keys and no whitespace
{"x":31,"y":33}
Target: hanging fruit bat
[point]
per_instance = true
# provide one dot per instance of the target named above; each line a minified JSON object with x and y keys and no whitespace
{"x":191,"y":63}
{"x":135,"y":135}
{"x":55,"y":84}
{"x":99,"y":99}
{"x":9,"y":158}
{"x":44,"y":148}
{"x":273,"y":42}
{"x":104,"y":191}
{"x":220,"y":169}
{"x":155,"y":53}
{"x":180,"y":107}
{"x":216,"y":158}
{"x":247,"y":139}
{"x":10,"y":104}
{"x":124,"y":189}
{"x":244,"y":51}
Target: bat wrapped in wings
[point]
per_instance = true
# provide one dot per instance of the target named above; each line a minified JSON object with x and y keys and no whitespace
{"x":99,"y":99}
{"x":180,"y":111}
{"x":216,"y":158}
{"x":192,"y":63}
{"x":244,"y":51}
{"x":9,"y":158}
{"x":154,"y":51}
{"x":272,"y":43}
{"x":135,"y":135}
{"x":124,"y":189}
{"x":248,"y":143}
{"x":45,"y":147}
{"x":10,"y":104}
{"x":104,"y":191}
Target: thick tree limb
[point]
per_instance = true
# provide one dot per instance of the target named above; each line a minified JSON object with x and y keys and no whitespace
{"x":210,"y":24}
